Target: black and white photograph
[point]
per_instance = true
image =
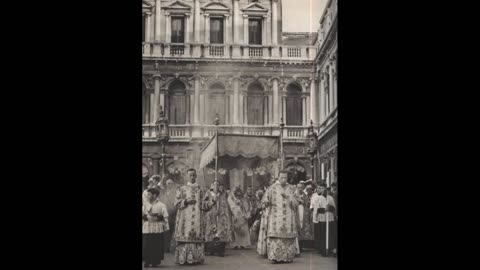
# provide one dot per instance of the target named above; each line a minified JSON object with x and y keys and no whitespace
{"x":239,"y":134}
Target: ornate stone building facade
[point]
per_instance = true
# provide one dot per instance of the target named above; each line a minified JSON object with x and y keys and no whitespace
{"x":229,"y":58}
{"x":326,"y":93}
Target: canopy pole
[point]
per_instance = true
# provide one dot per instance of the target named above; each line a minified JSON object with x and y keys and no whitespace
{"x":216,"y":121}
{"x":215,"y":183}
{"x":282,"y":125}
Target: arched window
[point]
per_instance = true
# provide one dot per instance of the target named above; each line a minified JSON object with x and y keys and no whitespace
{"x":177,"y":103}
{"x":145,"y":106}
{"x":216,"y":103}
{"x":294,"y":105}
{"x":255,"y":102}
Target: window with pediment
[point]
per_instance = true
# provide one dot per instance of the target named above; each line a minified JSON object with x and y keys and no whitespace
{"x":178,"y":29}
{"x":216,"y":30}
{"x":255,"y":31}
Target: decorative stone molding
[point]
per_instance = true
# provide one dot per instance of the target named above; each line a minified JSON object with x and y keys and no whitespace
{"x":170,"y":79}
{"x":147,"y":82}
{"x":216,"y":8}
{"x":147,"y":7}
{"x":305,"y":83}
{"x":177,"y":8}
{"x":255,"y":10}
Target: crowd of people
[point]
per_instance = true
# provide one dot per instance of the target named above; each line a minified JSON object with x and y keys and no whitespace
{"x":280,"y":219}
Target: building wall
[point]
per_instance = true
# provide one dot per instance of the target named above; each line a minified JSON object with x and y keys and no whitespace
{"x":274,"y":72}
{"x":326,"y":92}
{"x":190,"y":5}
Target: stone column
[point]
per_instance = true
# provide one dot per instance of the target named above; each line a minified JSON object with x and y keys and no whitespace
{"x":304,"y":111}
{"x":245,"y":109}
{"x":309,"y":115}
{"x":187,"y":35}
{"x":196,"y":26}
{"x":206,"y":111}
{"x":332,"y":171}
{"x":334,"y":84}
{"x":271,"y":109}
{"x":207,"y":28}
{"x":284,"y":108}
{"x":264,"y":30}
{"x":145,"y":108}
{"x":155,"y":98}
{"x":313,"y":101}
{"x":265,"y":110}
{"x":168,"y":29}
{"x":330,"y":88}
{"x":275,"y":108}
{"x":152,"y":115}
{"x":236,"y":96}
{"x":240,"y":106}
{"x":187,"y":28}
{"x":264,"y":37}
{"x":148,"y":34}
{"x":192,"y":108}
{"x":196,"y":23}
{"x":274,"y":22}
{"x":202,"y":108}
{"x":226,"y":36}
{"x":187,"y":107}
{"x":196,"y":106}
{"x":230,"y":106}
{"x":158,"y":21}
{"x":322,"y":99}
{"x":236,"y":22}
{"x":245,"y":29}
{"x":322,"y":170}
{"x":269,"y":28}
{"x":226,"y":33}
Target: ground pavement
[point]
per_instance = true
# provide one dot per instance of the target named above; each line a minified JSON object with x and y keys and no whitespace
{"x":248,"y":259}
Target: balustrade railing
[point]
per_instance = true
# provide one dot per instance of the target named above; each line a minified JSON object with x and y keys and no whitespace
{"x":177,"y":50}
{"x":182,"y":132}
{"x":223,"y":51}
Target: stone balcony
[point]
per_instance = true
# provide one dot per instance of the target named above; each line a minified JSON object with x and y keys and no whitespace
{"x":227,"y":51}
{"x":179,"y":133}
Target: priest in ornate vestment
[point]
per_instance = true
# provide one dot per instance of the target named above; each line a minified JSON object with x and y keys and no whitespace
{"x":240,"y":215}
{"x":192,"y":202}
{"x":306,"y":233}
{"x":218,"y":220}
{"x":281,"y":202}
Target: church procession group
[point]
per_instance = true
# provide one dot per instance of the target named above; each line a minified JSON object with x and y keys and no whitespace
{"x":280,"y":220}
